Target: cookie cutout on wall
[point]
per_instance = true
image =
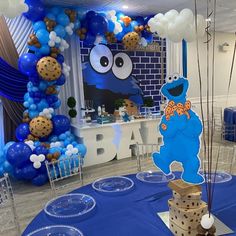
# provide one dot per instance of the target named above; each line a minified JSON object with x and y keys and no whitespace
{"x":181,"y":128}
{"x":48,"y":68}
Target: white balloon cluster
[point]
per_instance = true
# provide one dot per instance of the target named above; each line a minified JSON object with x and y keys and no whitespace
{"x":69,"y":28}
{"x":53,"y":39}
{"x":47,"y":112}
{"x":37,"y":159}
{"x":63,"y":45}
{"x":30,"y":143}
{"x":71,"y":150}
{"x":13,"y":8}
{"x":177,"y":26}
{"x":143,"y":42}
{"x":55,"y":144}
{"x":66,"y":70}
{"x":111,"y":15}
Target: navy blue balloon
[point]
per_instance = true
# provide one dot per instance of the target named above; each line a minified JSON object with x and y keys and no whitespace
{"x":28,"y":172}
{"x":40,"y":180}
{"x":90,"y":14}
{"x":36,"y":10}
{"x":84,"y":23}
{"x":18,"y":154}
{"x":147,"y":35}
{"x":89,"y":39}
{"x":41,"y":150}
{"x":98,"y":25}
{"x":60,"y":58}
{"x":22,"y":131}
{"x":146,"y":19}
{"x":140,"y":20}
{"x":61,"y":80}
{"x":61,"y":124}
{"x":27,"y":64}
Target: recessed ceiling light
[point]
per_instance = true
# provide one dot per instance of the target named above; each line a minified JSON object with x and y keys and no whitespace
{"x":125,"y":7}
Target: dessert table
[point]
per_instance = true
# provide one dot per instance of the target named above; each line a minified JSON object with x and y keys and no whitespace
{"x":131,"y":214}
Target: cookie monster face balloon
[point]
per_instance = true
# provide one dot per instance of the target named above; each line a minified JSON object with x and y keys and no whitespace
{"x":181,"y":129}
{"x":107,"y":77}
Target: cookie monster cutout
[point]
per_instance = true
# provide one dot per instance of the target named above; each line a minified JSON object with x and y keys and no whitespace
{"x":181,"y":129}
{"x":107,"y":77}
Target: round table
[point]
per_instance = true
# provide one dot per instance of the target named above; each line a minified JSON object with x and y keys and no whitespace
{"x":129,"y":215}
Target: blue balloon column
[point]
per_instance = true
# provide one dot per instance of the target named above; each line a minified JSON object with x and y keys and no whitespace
{"x":43,"y":135}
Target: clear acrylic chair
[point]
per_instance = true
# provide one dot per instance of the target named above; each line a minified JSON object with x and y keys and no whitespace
{"x":223,"y":158}
{"x":8,"y":217}
{"x":144,"y":156}
{"x":60,"y":171}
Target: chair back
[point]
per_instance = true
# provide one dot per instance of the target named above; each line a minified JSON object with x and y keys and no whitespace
{"x":60,"y":170}
{"x":144,"y":156}
{"x":8,"y":217}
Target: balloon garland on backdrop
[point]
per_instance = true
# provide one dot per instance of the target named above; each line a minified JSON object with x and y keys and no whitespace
{"x":43,"y":135}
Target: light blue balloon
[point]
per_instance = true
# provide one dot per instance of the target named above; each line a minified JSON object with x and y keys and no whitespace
{"x":44,"y":50}
{"x":43,"y":85}
{"x":56,"y":10}
{"x":33,"y":107}
{"x":39,"y":25}
{"x":62,"y":137}
{"x":26,"y":104}
{"x":60,"y":31}
{"x":1,"y":171}
{"x":55,"y":149}
{"x":33,"y":114}
{"x":30,"y":101}
{"x":26,"y":96}
{"x":42,"y":105}
{"x":35,"y":89}
{"x":77,"y":24}
{"x":63,"y":19}
{"x":7,"y":167}
{"x":43,"y":36}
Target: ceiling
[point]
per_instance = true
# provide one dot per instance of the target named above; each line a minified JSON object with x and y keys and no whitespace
{"x":225,"y":13}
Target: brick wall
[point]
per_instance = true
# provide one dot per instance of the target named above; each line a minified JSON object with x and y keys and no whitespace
{"x":147,"y":68}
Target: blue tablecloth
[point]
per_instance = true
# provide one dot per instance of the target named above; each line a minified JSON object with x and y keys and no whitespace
{"x":230,"y":122}
{"x":125,"y":216}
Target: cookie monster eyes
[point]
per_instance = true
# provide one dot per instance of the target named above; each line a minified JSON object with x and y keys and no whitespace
{"x":102,"y":61}
{"x":171,"y":78}
{"x":123,"y":66}
{"x":101,"y":58}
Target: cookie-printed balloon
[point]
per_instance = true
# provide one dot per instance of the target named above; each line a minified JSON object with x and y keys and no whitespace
{"x":48,"y":68}
{"x":40,"y":126}
{"x":131,"y":40}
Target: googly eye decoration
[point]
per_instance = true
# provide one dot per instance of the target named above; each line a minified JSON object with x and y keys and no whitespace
{"x":169,"y":79}
{"x":123,"y":66}
{"x":101,"y":58}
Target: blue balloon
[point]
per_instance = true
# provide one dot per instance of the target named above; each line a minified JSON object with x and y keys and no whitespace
{"x":111,"y":26}
{"x":61,"y":80}
{"x":84,"y":23}
{"x":98,"y":25}
{"x":1,"y":171}
{"x":120,"y":36}
{"x":60,"y":58}
{"x":39,"y":25}
{"x":33,"y":114}
{"x":77,"y":24}
{"x":7,"y":145}
{"x":40,"y":179}
{"x":90,"y":14}
{"x":146,"y":19}
{"x":119,"y":15}
{"x":51,"y":99}
{"x":82,"y":149}
{"x":147,"y":35}
{"x":56,"y":10}
{"x":7,"y":167}
{"x":134,"y":23}
{"x":60,"y":31}
{"x":36,"y":10}
{"x":43,"y":36}
{"x":43,"y":85}
{"x":57,"y":104}
{"x":89,"y":39}
{"x":51,"y":16}
{"x":40,"y":150}
{"x":18,"y":154}
{"x":28,"y":172}
{"x":45,"y":50}
{"x":22,"y":131}
{"x":27,"y":64}
{"x":42,"y":105}
{"x":61,"y":124}
{"x":140,"y":20}
{"x":128,"y":28}
{"x":63,"y":19}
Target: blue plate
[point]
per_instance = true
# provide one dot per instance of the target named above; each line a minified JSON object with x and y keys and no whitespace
{"x":154,"y":177}
{"x":218,"y":178}
{"x":115,"y":185}
{"x":57,"y":230}
{"x":70,"y":207}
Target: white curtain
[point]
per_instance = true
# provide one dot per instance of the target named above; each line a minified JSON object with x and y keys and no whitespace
{"x":20,"y":29}
{"x":74,"y":84}
{"x":174,"y":57}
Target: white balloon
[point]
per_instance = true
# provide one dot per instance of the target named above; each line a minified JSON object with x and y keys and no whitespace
{"x":171,"y":15}
{"x":174,"y":35}
{"x":164,"y":21}
{"x":37,"y":165}
{"x":152,"y":22}
{"x":187,"y":14}
{"x":158,"y":16}
{"x":180,"y":24}
{"x":189,"y":34}
{"x":207,"y":222}
{"x":160,"y":30}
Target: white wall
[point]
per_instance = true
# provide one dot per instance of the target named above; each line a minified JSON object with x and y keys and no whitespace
{"x":223,"y":62}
